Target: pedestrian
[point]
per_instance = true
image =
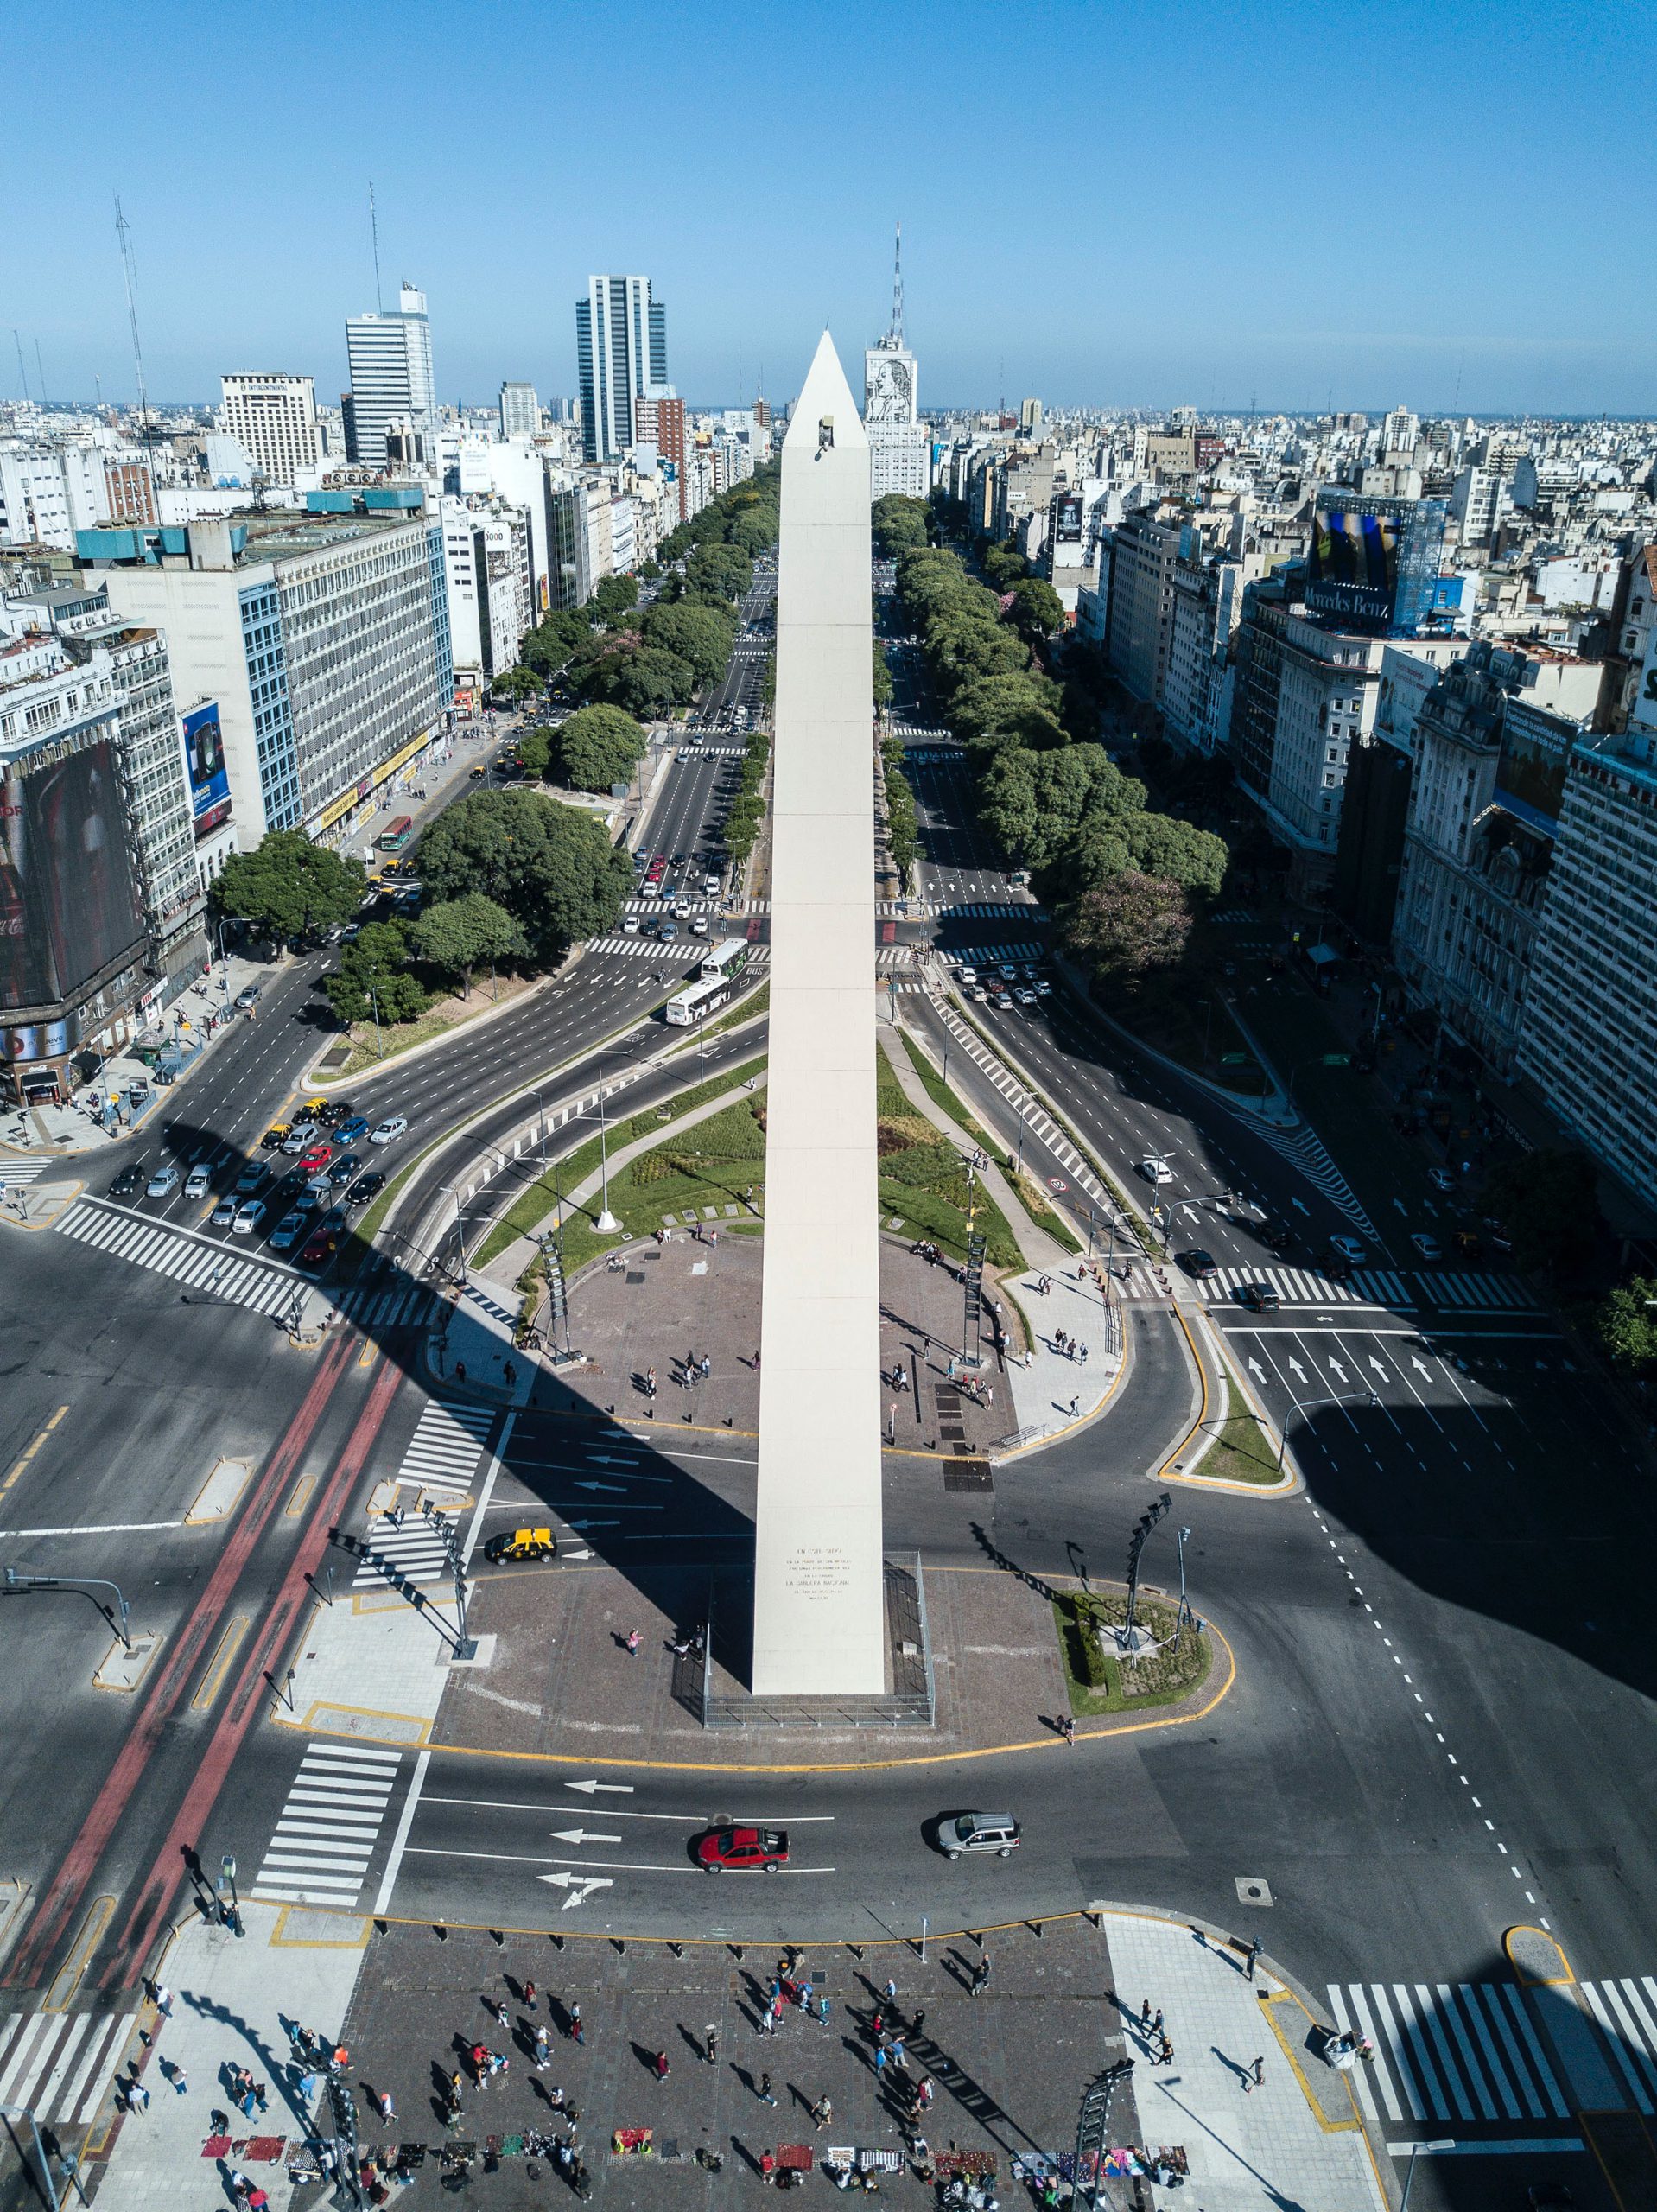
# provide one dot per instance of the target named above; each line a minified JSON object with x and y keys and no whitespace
{"x":1145,"y":2016}
{"x":528,"y":1995}
{"x":163,"y":2001}
{"x":510,"y":1373}
{"x":881,"y":2063}
{"x":768,"y":2021}
{"x":980,"y":1976}
{"x":460,"y":1370}
{"x":542,"y":2048}
{"x":138,"y":2099}
{"x":660,"y":2062}
{"x":1156,"y":2024}
{"x":924,"y":2094}
{"x":767,"y":2168}
{"x":498,"y":2008}
{"x":456,"y":2085}
{"x":246,"y":2101}
{"x":1084,"y":1355}
{"x":650,"y":1381}
{"x":577,"y":2031}
{"x":899,"y":2056}
{"x":1067,"y":1729}
{"x":1165,"y":2054}
{"x":765,"y":2094}
{"x":918,"y":2022}
{"x":822,"y":2010}
{"x":821,"y":2112}
{"x":181,"y":2086}
{"x":1251,"y":1952}
{"x":754,"y":1362}
{"x":891,"y":1990}
{"x":239,"y":2184}
{"x":705,"y":1367}
{"x":1253,"y":2075}
{"x":710,"y":2044}
{"x":388,"y":2110}
{"x":634,"y":1640}
{"x":1076,"y":1409}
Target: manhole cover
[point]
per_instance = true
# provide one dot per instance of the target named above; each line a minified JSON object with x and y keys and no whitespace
{"x":1252,"y":1889}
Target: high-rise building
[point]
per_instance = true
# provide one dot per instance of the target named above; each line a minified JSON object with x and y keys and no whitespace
{"x":520,"y":410}
{"x":900,"y":449}
{"x":621,"y":349}
{"x":273,"y":418}
{"x":659,"y":420}
{"x":391,"y":386}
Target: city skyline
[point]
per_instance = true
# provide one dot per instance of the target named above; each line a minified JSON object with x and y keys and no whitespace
{"x":769,"y":212}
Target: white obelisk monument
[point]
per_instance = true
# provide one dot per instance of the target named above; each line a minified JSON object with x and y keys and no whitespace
{"x":819,"y":1609}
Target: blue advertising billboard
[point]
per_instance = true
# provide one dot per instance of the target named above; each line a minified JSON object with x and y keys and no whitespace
{"x":203,"y":755}
{"x":1374,"y":562}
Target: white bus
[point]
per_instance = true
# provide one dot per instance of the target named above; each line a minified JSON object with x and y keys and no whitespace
{"x":728,"y":958}
{"x":700,"y":1001}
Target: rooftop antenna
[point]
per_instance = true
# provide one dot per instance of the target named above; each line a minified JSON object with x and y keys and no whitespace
{"x":1456,"y":402}
{"x":897,"y":287}
{"x":39,"y":369}
{"x":97,"y":388}
{"x":128,"y":278}
{"x":22,"y":371}
{"x":374,"y":226}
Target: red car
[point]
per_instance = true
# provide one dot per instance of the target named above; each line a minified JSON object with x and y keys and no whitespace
{"x":319,"y":1248}
{"x":318,"y":1156}
{"x":744,"y":1847}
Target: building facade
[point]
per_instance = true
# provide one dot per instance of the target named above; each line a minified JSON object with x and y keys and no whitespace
{"x":621,"y":349}
{"x":393,"y":399}
{"x":900,"y":447}
{"x":1139,"y":626}
{"x":520,"y":411}
{"x":273,"y":418}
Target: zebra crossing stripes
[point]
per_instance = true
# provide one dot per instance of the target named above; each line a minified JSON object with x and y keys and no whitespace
{"x":634,"y":948}
{"x":441,"y":1461}
{"x":59,"y":2065}
{"x":16,"y":1174}
{"x":1464,"y":2051}
{"x":1303,"y":1150}
{"x":197,"y":1262}
{"x":329,"y":1826}
{"x":1626,"y":2010}
{"x":405,"y":1306}
{"x":1305,"y":1286}
{"x":645,"y":906}
{"x":991,"y":909}
{"x":1482,"y":1293}
{"x":994,"y":956}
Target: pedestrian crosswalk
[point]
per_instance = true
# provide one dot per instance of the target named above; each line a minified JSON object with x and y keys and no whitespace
{"x":642,"y":906}
{"x":1303,"y":1148}
{"x":404,"y":1305}
{"x":199,"y":1263}
{"x":14,"y":1174}
{"x":1626,"y":2010}
{"x":439,"y":1466}
{"x":994,"y":956}
{"x":1465,"y":2051}
{"x":1382,"y":1286}
{"x":635,"y":948}
{"x":991,"y":909}
{"x":59,"y":2065}
{"x":329,"y":1826}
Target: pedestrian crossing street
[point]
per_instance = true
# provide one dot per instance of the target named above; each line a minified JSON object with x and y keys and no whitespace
{"x":329,"y":1826}
{"x":1469,"y":2052}
{"x":195,"y":1263}
{"x":59,"y":2065}
{"x":1382,"y":1287}
{"x":439,"y":1463}
{"x":634,"y":948}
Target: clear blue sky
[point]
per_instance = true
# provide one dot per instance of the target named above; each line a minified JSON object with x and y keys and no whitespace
{"x":1102,"y":203}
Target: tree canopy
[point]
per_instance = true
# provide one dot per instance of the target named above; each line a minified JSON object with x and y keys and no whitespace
{"x":1625,"y":1322}
{"x":458,"y":935}
{"x":596,"y":747}
{"x":1129,"y":929}
{"x":551,"y":866}
{"x":700,"y":636}
{"x":287,"y":887}
{"x":613,"y":598}
{"x":372,"y":980}
{"x":726,"y":569}
{"x":898,"y":523}
{"x":1037,"y":611}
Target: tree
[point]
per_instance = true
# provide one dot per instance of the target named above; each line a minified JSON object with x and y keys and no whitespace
{"x":700,"y":636}
{"x":372,"y":979}
{"x":639,"y":679}
{"x":1019,"y":709}
{"x":961,"y":646}
{"x":516,"y":684}
{"x":1548,"y":1201}
{"x":459,"y":934}
{"x":1625,"y":1322}
{"x":1037,"y":611}
{"x":882,"y":676}
{"x":1004,"y":565}
{"x":288,"y":886}
{"x":898,"y":523}
{"x":1195,"y":859}
{"x":555,"y":637}
{"x":596,"y":747}
{"x":551,"y":866}
{"x":721,"y":568}
{"x":1129,"y":929}
{"x":534,"y":751}
{"x":612,"y":597}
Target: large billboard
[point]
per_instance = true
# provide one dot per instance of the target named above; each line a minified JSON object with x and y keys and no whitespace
{"x":204,"y":756}
{"x":1353,"y":565}
{"x":1535,"y":758}
{"x":68,"y":908}
{"x":1067,"y":518}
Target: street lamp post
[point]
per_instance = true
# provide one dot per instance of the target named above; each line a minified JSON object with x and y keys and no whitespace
{"x":23,"y":2112}
{"x":1444,"y":2143}
{"x":1182,"y":1537}
{"x":117,"y":1617}
{"x":227,"y":1875}
{"x":380,"y":1041}
{"x":1311,"y":1405}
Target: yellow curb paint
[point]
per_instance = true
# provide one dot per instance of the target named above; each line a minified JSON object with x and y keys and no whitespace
{"x":68,"y":1980}
{"x":1532,"y":1980}
{"x":1329,"y":2126}
{"x":368,"y":1354}
{"x":19,"y":1463}
{"x":213,"y":1680}
{"x":1166,"y":1473}
{"x":300,"y":1497}
{"x":280,"y":1940}
{"x":311,"y":1722}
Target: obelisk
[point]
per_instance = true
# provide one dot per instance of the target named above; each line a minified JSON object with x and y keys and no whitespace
{"x":819,"y":1611}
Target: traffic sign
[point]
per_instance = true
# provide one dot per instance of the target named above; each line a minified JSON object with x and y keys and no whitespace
{"x":1338,"y":1059}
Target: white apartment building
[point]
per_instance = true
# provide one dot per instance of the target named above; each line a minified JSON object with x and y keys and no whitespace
{"x":323,"y":636}
{"x":272,"y":416}
{"x":520,"y":411}
{"x":1479,"y":500}
{"x":1589,"y":1033}
{"x":1204,"y":610}
{"x":487,"y":563}
{"x":391,"y":384}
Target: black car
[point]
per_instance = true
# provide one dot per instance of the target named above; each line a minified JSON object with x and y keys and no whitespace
{"x":1261,"y":1296}
{"x":1199,"y":1264}
{"x":335,"y":1111}
{"x":128,"y":1183}
{"x":366,"y":1188}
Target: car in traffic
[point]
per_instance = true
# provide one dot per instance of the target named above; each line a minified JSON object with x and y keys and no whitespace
{"x":1260,"y":1297}
{"x":288,"y":1231}
{"x":249,"y":1215}
{"x":278,"y":1134}
{"x":1347,"y":1248}
{"x":300,"y":1135}
{"x":367,"y":1188}
{"x":353,"y":1130}
{"x":247,"y":996}
{"x":1441,"y":1179}
{"x":163,"y":1182}
{"x":320,"y":1247}
{"x":741,"y":1847}
{"x":394,"y":1125}
{"x":341,"y":1169}
{"x":968,"y":1835}
{"x":521,"y":1544}
{"x":199,"y":1181}
{"x":1156,"y":1169}
{"x":316,"y":1158}
{"x":1025,"y":996}
{"x":225,"y":1212}
{"x":968,"y":975}
{"x":668,"y":932}
{"x":128,"y":1183}
{"x":1200,"y":1266}
{"x":698,"y":927}
{"x":977,"y":993}
{"x":629,"y":925}
{"x":1427,"y":1245}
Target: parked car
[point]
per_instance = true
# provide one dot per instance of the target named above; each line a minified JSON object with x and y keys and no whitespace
{"x":248,"y":995}
{"x":163,"y":1182}
{"x":199,"y":1181}
{"x":389,"y":1130}
{"x":977,"y":1834}
{"x":744,"y":1847}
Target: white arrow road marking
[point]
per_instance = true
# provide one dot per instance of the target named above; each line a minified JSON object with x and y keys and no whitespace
{"x":626,"y":1813}
{"x":1255,"y":1369}
{"x":619,"y":1788}
{"x":1336,"y":1368}
{"x":606,"y":1865}
{"x":582,"y":1886}
{"x":615,"y":1489}
{"x":1297,"y":1370}
{"x":1379,"y":1365}
{"x":557,"y":1505}
{"x":579,"y":1835}
{"x":1301,"y":1203}
{"x":1402,"y":1208}
{"x":1421,"y":1365}
{"x":579,"y":1896}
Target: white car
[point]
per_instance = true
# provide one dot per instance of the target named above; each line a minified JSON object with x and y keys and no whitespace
{"x":977,"y":993}
{"x":1026,"y":997}
{"x":224,"y":1214}
{"x":698,"y":927}
{"x":300,"y":1137}
{"x":163,"y":1182}
{"x":968,"y":977}
{"x":1156,"y":1170}
{"x":684,"y":754}
{"x":1441,"y":1179}
{"x":196,"y":1183}
{"x":629,"y":925}
{"x":1427,"y":1245}
{"x":249,"y":1215}
{"x":389,"y":1130}
{"x":1349,"y":1248}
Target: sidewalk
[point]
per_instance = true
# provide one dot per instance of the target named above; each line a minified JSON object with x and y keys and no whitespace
{"x":1052,"y":1391}
{"x":231,"y":2000}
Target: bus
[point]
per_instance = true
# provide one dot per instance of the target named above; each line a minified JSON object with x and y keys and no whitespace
{"x":728,"y":958}
{"x":392,"y":840}
{"x":699,"y":1001}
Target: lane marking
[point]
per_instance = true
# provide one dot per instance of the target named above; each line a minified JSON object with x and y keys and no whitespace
{"x":603,"y":1865}
{"x":213,"y":1680}
{"x":623,"y":1813}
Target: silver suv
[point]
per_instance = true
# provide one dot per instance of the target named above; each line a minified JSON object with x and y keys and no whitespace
{"x":977,"y":1833}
